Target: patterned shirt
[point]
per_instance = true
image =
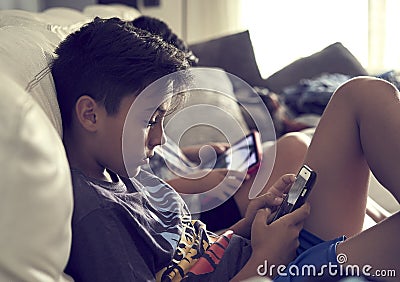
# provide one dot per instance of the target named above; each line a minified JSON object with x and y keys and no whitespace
{"x":140,"y":229}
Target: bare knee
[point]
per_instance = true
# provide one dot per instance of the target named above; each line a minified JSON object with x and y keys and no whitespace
{"x":293,"y":144}
{"x":365,"y":90}
{"x":290,"y":153}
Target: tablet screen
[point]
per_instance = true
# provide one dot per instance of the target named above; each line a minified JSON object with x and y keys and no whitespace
{"x":240,"y":156}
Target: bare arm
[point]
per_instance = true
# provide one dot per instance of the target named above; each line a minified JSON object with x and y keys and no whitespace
{"x":272,"y":199}
{"x":193,"y":152}
{"x":275,"y":243}
{"x":206,"y":180}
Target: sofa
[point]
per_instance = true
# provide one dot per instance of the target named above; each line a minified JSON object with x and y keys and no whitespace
{"x":36,"y":203}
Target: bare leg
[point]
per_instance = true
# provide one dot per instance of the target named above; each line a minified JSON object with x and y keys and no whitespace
{"x":377,"y":247}
{"x":290,"y":151}
{"x":358,"y":131}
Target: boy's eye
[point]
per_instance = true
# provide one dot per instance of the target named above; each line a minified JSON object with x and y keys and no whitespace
{"x":154,"y":121}
{"x":151,"y":123}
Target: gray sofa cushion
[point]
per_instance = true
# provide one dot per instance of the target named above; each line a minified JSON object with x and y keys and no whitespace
{"x":234,"y":53}
{"x":333,"y":59}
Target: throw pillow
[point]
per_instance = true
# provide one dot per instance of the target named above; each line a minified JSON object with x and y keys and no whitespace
{"x":234,"y":53}
{"x":333,"y":59}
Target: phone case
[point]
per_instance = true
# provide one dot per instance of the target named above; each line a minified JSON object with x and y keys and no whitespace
{"x":286,"y":207}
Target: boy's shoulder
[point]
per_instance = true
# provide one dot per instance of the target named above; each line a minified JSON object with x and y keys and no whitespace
{"x":92,"y":194}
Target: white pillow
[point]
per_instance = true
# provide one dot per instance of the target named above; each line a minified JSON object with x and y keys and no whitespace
{"x":49,"y":20}
{"x":20,"y":18}
{"x":36,"y":191}
{"x":112,"y":10}
{"x":36,"y":202}
{"x":25,"y":56}
{"x":63,"y":16}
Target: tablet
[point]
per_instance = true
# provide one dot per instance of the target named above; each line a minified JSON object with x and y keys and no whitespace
{"x":243,"y":155}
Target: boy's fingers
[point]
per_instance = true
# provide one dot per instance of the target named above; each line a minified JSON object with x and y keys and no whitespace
{"x":262,"y":216}
{"x":282,"y":185}
{"x":299,"y":215}
{"x":270,"y":199}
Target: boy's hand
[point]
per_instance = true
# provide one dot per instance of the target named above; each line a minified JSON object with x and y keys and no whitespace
{"x":272,"y":199}
{"x":273,"y":244}
{"x":278,"y":241}
{"x":192,"y":152}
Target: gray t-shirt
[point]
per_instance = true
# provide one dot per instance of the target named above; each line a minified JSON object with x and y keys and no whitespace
{"x":140,"y":230}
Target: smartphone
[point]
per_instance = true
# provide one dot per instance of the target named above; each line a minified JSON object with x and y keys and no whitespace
{"x":298,"y":192}
{"x":243,"y":155}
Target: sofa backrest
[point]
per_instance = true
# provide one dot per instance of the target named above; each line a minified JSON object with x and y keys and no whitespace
{"x":36,"y":202}
{"x":109,"y":11}
{"x":25,"y":57}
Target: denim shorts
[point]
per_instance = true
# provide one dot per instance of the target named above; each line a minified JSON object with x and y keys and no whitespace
{"x":316,"y":259}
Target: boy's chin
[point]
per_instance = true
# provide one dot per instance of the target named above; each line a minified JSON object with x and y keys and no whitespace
{"x":132,"y":172}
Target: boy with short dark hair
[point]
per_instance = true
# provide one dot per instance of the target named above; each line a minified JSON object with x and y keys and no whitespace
{"x":112,"y":82}
{"x":123,"y":229}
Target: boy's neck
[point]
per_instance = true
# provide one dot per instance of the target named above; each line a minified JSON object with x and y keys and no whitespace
{"x":79,"y":157}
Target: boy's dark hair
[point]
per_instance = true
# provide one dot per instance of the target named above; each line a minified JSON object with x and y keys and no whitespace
{"x":159,"y":27}
{"x":107,"y":60}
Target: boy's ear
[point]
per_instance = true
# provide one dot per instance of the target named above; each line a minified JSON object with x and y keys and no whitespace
{"x":86,"y":110}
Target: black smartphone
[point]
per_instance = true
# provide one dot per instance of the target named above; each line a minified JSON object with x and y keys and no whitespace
{"x":243,"y":155}
{"x":298,"y":192}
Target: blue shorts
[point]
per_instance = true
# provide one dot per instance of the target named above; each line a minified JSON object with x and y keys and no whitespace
{"x":315,"y":258}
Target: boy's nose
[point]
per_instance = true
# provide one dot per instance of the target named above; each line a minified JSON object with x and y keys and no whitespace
{"x":156,"y":138}
{"x":163,"y":138}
